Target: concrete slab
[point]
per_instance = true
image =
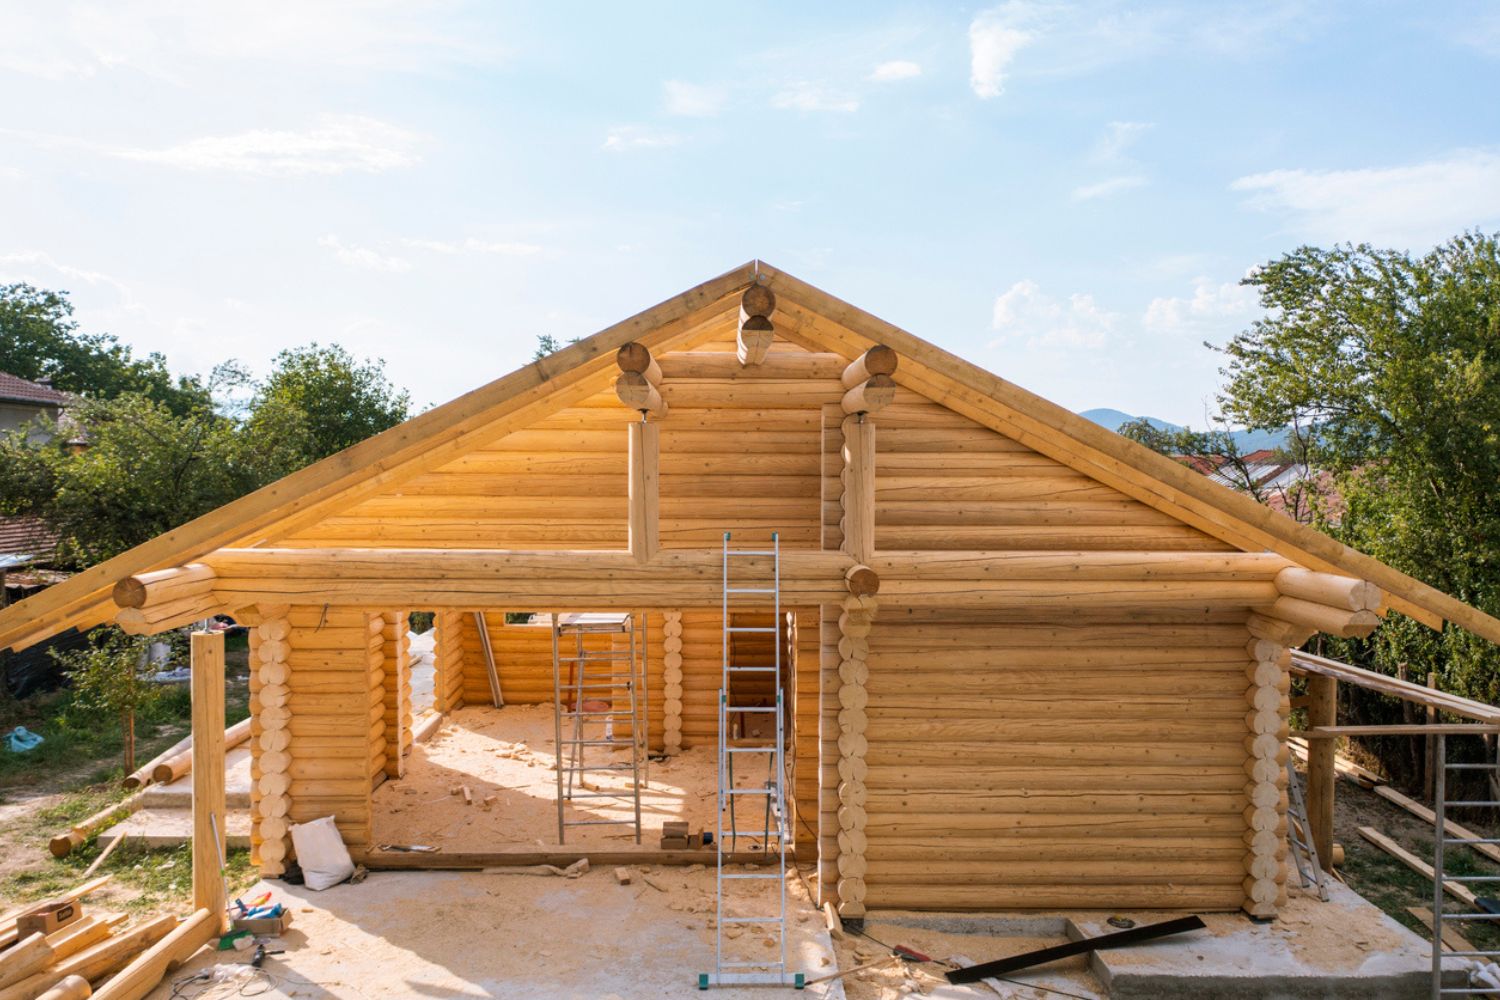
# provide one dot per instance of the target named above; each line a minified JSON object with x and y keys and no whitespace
{"x":1345,"y":949}
{"x":519,"y":937}
{"x":179,"y":794}
{"x":172,"y":827}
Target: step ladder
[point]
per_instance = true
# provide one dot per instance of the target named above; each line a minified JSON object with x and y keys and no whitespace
{"x":1441,"y":880}
{"x":1299,"y":836}
{"x":775,"y":832}
{"x":598,"y":694}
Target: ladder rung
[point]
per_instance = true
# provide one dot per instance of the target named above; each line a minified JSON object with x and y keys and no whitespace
{"x":1471,"y":916}
{"x":750,"y":552}
{"x":1470,"y":954}
{"x":748,"y":670}
{"x":596,"y":743}
{"x":752,"y":628}
{"x":749,"y":749}
{"x":1471,"y":878}
{"x":600,"y":795}
{"x":595,"y":715}
{"x":733,"y":708}
{"x":749,"y":590}
{"x":1471,"y":767}
{"x":741,"y":877}
{"x":749,"y":791}
{"x":1471,"y":840}
{"x":1475,"y":805}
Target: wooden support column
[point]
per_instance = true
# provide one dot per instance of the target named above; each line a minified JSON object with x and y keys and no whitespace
{"x":271,"y":739}
{"x":448,"y":666}
{"x":645,"y":490}
{"x":208,"y":775}
{"x":671,"y":662}
{"x":1265,"y":766}
{"x":1322,"y":710}
{"x":853,"y":698}
{"x":397,"y":695}
{"x":858,"y":497}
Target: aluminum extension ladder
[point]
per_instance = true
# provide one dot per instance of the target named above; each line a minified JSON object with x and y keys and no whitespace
{"x":593,"y":675}
{"x":1299,"y":837}
{"x":1441,"y":879}
{"x":731,"y":971}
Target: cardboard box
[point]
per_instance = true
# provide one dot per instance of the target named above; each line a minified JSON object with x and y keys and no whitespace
{"x":47,"y":918}
{"x":674,"y":828}
{"x":674,"y":843}
{"x":265,"y":926}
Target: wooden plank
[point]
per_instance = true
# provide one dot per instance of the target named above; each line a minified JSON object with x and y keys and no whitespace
{"x":1455,"y":889}
{"x":1395,"y":687}
{"x":1452,"y":939}
{"x":1453,"y":829}
{"x":208,"y":774}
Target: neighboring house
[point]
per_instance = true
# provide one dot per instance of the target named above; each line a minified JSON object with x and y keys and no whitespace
{"x":1282,"y":484}
{"x":22,"y":402}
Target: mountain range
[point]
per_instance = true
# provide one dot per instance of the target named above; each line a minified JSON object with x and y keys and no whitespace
{"x":1247,"y":440}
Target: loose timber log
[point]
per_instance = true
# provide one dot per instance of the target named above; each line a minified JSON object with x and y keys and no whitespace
{"x":636,"y":358}
{"x":1340,"y":592}
{"x":69,"y":988}
{"x":181,"y":762}
{"x":164,"y":586}
{"x":637,"y":392}
{"x":143,"y":973}
{"x":141,"y":776}
{"x":878,"y":360}
{"x":62,"y":844}
{"x":29,"y":955}
{"x":875,"y":393}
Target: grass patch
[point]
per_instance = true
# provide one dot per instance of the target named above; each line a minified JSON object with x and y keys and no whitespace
{"x":161,"y":877}
{"x":81,"y":747}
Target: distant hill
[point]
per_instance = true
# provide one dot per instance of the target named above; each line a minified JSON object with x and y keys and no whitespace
{"x":1246,"y":440}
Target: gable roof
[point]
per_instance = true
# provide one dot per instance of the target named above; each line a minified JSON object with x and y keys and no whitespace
{"x":804,"y":315}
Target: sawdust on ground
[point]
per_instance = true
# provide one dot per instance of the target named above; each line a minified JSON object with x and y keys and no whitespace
{"x":505,"y":757}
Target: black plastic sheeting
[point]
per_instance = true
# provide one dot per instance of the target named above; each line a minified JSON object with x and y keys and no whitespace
{"x":33,"y":670}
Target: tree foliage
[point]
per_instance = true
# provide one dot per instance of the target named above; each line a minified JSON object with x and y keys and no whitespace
{"x":111,"y":679}
{"x":328,"y":400}
{"x":1390,"y":363}
{"x":40,"y":340}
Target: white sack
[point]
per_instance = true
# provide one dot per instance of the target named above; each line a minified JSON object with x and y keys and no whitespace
{"x":321,"y":852}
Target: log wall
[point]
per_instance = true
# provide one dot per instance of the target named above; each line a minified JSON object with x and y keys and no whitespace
{"x":448,"y":661}
{"x":396,"y":688}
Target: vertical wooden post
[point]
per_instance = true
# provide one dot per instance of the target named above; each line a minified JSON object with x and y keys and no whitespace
{"x":645,"y":490}
{"x":1428,"y":779}
{"x":859,"y":487}
{"x":1322,"y":710}
{"x":208,"y":774}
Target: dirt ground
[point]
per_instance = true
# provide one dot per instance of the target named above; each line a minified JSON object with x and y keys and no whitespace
{"x":506,"y":935}
{"x":505,"y":758}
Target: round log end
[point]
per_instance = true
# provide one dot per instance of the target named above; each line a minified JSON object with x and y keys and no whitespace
{"x":881,"y":360}
{"x":633,"y":357}
{"x":62,"y":845}
{"x":862,"y":581}
{"x":130,"y":593}
{"x":162,"y":774}
{"x":634,"y":390}
{"x":758,"y":300}
{"x":755,"y":323}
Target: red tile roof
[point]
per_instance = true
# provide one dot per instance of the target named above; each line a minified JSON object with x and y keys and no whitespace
{"x":26,"y":536}
{"x":14,"y":389}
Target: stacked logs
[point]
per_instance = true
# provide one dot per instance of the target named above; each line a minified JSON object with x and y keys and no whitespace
{"x":639,"y":383}
{"x":867,"y":381}
{"x":1265,"y":816}
{"x":672,"y":681}
{"x":448,"y":662}
{"x":1310,"y":602}
{"x":756,"y":331}
{"x":271,"y":762}
{"x":854,"y":674}
{"x":395,"y":643}
{"x":166,"y":599}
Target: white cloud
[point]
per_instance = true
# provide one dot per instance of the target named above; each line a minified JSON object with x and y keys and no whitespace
{"x":1025,"y":311}
{"x":803,"y":96}
{"x":471,"y":245}
{"x":363,"y":258}
{"x":995,"y":36}
{"x":693,"y":100}
{"x":1408,"y":206}
{"x":337,"y":144}
{"x":1107,"y":188}
{"x":896,"y":69}
{"x":1213,"y":308}
{"x":1117,"y":138}
{"x":626,"y":138}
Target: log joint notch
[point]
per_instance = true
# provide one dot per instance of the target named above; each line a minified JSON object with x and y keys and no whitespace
{"x":271,"y":759}
{"x":1309,"y":601}
{"x":867,"y":381}
{"x":1265,"y":768}
{"x":165,"y":599}
{"x":671,"y":662}
{"x":638,"y":385}
{"x":756,"y":331}
{"x":853,"y":696}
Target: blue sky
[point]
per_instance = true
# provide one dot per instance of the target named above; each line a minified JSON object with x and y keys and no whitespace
{"x":1067,"y":194}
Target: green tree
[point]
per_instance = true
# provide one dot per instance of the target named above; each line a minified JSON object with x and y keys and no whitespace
{"x":111,"y":678}
{"x":326,"y":400}
{"x":1391,"y":364}
{"x":40,"y":340}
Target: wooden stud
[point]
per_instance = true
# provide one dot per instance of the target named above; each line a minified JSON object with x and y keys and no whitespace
{"x":644,"y":495}
{"x":208,"y":774}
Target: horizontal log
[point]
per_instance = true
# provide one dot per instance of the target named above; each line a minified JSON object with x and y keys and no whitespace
{"x":636,"y":358}
{"x":878,"y":360}
{"x":637,"y":392}
{"x":165,"y":585}
{"x":1345,"y":593}
{"x":1336,"y":621}
{"x":717,"y":365}
{"x":869,"y":396}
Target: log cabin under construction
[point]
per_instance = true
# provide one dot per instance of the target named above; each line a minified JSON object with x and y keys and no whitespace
{"x":1029,"y":664}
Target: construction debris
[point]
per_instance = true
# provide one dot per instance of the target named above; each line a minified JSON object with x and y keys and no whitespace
{"x":1041,"y":956}
{"x":622,"y":876}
